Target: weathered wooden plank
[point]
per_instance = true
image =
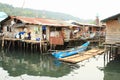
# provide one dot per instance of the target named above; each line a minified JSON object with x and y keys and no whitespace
{"x":76,"y":59}
{"x":81,"y":57}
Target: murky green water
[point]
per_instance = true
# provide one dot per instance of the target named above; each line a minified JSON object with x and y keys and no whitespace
{"x":21,"y":65}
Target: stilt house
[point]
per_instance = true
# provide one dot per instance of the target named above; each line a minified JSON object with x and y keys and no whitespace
{"x":53,"y":31}
{"x":112,"y":28}
{"x":87,"y":29}
{"x":112,"y":42}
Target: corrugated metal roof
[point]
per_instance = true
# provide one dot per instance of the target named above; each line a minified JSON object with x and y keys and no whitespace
{"x":111,"y":18}
{"x":3,"y":16}
{"x":42,"y":21}
{"x":86,"y":24}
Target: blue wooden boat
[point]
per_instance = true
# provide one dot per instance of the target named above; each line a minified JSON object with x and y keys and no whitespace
{"x":72,"y":51}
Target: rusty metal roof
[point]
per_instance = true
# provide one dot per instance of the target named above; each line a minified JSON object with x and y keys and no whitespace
{"x":87,"y":24}
{"x":42,"y":21}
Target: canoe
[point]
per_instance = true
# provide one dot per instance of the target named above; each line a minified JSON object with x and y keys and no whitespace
{"x":72,"y":51}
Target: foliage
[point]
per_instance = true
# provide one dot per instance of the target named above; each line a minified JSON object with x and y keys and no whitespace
{"x":15,"y":11}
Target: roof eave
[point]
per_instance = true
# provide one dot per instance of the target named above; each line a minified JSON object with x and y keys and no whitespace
{"x":111,"y":18}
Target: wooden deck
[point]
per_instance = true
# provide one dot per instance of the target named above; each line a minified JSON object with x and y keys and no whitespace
{"x":82,"y":56}
{"x":25,"y":44}
{"x":27,"y":41}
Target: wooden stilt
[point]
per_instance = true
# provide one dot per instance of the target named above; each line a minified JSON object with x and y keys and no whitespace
{"x":9,"y":45}
{"x":105,"y":55}
{"x":45,"y":47}
{"x":27,"y":45}
{"x":24,"y":45}
{"x":5,"y":42}
{"x":21,"y":45}
{"x":40,"y":46}
{"x":108,"y":56}
{"x":2,"y":41}
{"x":54,"y":47}
{"x":51,"y":46}
{"x":36,"y":46}
{"x":13,"y":43}
{"x":18,"y":43}
{"x":31,"y":46}
{"x":104,"y":59}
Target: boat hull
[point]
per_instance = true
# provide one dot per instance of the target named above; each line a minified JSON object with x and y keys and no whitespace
{"x":62,"y":54}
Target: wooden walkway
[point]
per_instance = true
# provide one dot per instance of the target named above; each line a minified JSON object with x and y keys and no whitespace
{"x":42,"y":44}
{"x":82,"y":56}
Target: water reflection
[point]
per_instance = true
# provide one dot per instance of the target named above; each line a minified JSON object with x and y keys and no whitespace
{"x":20,"y":62}
{"x":112,"y":70}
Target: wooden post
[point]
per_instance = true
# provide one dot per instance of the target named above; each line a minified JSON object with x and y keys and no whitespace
{"x":13,"y":43}
{"x":9,"y":44}
{"x":104,"y":58}
{"x":36,"y":47}
{"x":18,"y":43}
{"x":27,"y":44}
{"x":5,"y":41}
{"x":51,"y":45}
{"x":105,"y":55}
{"x":45,"y":47}
{"x":40,"y":46}
{"x":31,"y":46}
{"x":2,"y":41}
{"x":108,"y":52}
{"x":24,"y":45}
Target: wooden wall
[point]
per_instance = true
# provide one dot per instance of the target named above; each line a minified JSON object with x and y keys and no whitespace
{"x":113,"y":31}
{"x":47,"y":32}
{"x":36,"y":31}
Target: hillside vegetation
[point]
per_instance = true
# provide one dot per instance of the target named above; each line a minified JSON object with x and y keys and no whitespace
{"x":16,"y":11}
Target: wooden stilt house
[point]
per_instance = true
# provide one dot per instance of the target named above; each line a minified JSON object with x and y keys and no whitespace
{"x":87,"y":29}
{"x":112,"y":28}
{"x":112,"y":41}
{"x":54,"y":31}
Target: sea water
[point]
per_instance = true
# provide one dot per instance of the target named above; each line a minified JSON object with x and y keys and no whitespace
{"x":28,"y":65}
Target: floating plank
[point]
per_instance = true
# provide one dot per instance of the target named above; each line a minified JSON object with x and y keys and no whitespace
{"x":82,"y":56}
{"x":75,"y":58}
{"x":94,"y":52}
